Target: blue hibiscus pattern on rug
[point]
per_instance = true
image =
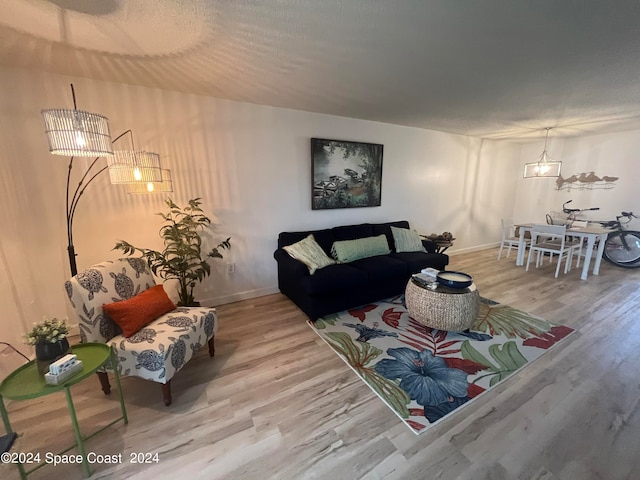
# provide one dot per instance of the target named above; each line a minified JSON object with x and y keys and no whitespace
{"x":433,"y":413}
{"x":426,"y":379}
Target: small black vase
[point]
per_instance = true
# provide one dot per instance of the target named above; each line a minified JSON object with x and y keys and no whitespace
{"x":47,"y":353}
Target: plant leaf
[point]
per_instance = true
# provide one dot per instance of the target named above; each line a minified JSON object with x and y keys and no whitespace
{"x":359,"y":357}
{"x":470,"y":353}
{"x":182,"y":258}
{"x":511,"y":322}
{"x":509,"y":359}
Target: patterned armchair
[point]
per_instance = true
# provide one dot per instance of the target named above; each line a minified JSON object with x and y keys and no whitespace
{"x":158,"y":350}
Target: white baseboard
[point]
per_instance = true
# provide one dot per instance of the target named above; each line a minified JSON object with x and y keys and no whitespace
{"x":477,"y":248}
{"x":236,"y":297}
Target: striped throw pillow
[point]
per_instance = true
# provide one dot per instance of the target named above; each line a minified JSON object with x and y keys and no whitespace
{"x":407,"y":240}
{"x":310,"y":253}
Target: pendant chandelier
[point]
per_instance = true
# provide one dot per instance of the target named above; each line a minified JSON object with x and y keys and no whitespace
{"x":543,"y":167}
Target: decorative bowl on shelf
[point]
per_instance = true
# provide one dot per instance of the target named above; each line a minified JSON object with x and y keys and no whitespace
{"x":454,"y":279}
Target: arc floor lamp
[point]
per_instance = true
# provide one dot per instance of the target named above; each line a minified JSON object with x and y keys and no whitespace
{"x":77,"y":133}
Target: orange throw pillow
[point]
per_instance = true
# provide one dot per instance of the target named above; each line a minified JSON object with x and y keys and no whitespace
{"x":133,"y":314}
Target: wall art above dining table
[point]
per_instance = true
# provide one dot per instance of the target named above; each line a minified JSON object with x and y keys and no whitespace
{"x":585,"y":181}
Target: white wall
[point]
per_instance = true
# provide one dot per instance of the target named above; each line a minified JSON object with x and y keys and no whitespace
{"x":494,"y":197}
{"x":613,"y":155}
{"x":249,"y":163}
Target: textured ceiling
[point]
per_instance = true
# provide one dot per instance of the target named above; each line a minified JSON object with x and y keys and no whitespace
{"x":487,"y":68}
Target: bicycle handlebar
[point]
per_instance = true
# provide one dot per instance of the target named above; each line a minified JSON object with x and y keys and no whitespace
{"x":616,"y":223}
{"x":576,"y":210}
{"x":607,"y":224}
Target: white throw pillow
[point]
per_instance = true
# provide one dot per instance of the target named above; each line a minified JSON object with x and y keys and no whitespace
{"x":310,"y":253}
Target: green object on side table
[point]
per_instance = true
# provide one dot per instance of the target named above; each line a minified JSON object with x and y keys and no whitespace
{"x":26,"y":383}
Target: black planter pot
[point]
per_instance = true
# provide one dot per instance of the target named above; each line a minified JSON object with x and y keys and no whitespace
{"x":190,"y":304}
{"x":47,"y":353}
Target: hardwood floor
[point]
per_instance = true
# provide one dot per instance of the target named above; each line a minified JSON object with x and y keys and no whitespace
{"x":276,"y":402}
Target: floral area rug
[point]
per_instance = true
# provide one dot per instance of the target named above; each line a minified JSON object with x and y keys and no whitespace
{"x":424,"y":374}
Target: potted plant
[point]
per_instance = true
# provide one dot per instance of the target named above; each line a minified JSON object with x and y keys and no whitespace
{"x":49,"y":338}
{"x":182,"y":258}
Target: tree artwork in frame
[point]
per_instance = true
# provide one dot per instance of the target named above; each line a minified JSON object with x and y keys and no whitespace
{"x":345,"y":174}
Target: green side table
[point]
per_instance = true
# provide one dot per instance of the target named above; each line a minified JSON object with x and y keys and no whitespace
{"x":26,"y":383}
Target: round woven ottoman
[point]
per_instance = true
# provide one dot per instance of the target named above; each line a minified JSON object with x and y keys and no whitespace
{"x":443,"y":308}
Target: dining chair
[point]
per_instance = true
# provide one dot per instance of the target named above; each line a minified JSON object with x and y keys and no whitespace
{"x":577,"y":241}
{"x":551,"y":239}
{"x":580,"y":240}
{"x":509,"y":237}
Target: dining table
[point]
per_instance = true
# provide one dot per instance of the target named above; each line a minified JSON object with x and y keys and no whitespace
{"x":590,"y":232}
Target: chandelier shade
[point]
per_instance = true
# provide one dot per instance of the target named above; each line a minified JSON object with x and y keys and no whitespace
{"x":77,"y":133}
{"x":130,"y":167}
{"x":166,"y":185}
{"x":543,"y":167}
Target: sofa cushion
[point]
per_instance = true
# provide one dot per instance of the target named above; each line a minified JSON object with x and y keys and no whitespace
{"x":349,"y":250}
{"x":406,"y":240}
{"x":164,"y":346}
{"x":339,"y":277}
{"x":385,"y":228}
{"x":416,"y":261}
{"x":324,"y":238}
{"x":352,"y":232}
{"x":380,"y":267}
{"x":310,"y":253}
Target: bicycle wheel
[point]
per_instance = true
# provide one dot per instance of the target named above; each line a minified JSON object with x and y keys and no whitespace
{"x":623,"y":249}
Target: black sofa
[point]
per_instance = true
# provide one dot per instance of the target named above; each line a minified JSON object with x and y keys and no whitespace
{"x":342,"y":286}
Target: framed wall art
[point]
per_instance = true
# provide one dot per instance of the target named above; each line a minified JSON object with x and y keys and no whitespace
{"x":345,"y":174}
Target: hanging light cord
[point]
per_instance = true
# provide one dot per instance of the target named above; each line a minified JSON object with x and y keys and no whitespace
{"x":543,"y":157}
{"x":73,"y":94}
{"x":133,"y":145}
{"x":546,"y":138}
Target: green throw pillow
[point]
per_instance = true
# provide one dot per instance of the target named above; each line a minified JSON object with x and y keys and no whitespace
{"x":407,"y":240}
{"x":310,"y":253}
{"x":349,"y":250}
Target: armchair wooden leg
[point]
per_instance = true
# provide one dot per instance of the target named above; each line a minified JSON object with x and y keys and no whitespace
{"x":104,"y":382}
{"x":212,"y":348}
{"x":166,"y":393}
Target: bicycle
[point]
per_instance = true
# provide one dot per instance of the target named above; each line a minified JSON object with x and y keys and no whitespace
{"x":568,"y":215}
{"x":622,"y":246}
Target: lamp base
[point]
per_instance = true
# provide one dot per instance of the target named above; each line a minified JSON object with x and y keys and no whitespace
{"x":6,"y":441}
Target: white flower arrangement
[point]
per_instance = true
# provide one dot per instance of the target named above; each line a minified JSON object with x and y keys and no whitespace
{"x":50,"y":330}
